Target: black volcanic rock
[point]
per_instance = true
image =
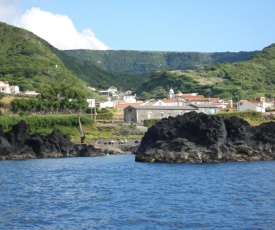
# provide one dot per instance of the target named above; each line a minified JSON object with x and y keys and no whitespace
{"x":90,"y":151}
{"x":19,"y":144}
{"x":197,"y":137}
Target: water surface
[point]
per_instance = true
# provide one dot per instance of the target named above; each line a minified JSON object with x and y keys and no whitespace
{"x":115,"y":192}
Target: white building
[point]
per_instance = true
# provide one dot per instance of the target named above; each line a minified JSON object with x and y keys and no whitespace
{"x":111,"y":91}
{"x":106,"y":104}
{"x":31,"y":93}
{"x":129,"y":98}
{"x":259,"y":105}
{"x":171,"y":94}
{"x":6,"y":88}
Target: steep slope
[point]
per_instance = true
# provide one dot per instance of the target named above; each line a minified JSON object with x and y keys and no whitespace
{"x":144,"y":62}
{"x":94,"y":75}
{"x":27,"y":61}
{"x":248,"y":79}
{"x":33,"y":64}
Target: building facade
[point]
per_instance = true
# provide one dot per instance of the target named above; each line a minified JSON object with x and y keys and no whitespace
{"x":6,"y":88}
{"x":141,"y":113}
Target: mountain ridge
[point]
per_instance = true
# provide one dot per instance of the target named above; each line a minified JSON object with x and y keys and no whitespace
{"x":136,"y":62}
{"x":248,"y":79}
{"x":31,"y":63}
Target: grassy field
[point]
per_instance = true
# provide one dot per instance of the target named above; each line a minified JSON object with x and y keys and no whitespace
{"x":7,"y":100}
{"x":107,"y":131}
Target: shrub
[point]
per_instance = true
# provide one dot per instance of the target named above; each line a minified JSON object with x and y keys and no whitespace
{"x":150,"y":122}
{"x":44,"y":122}
{"x":251,"y":115}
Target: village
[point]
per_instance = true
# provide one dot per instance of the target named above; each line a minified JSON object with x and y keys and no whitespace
{"x":175,"y":104}
{"x":135,"y":111}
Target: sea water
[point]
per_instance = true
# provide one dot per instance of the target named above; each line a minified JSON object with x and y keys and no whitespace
{"x":115,"y":192}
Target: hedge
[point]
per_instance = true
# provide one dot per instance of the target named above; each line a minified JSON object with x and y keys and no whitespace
{"x":40,"y":122}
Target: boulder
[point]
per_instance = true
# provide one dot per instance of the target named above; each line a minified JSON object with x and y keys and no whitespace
{"x":13,"y":143}
{"x":197,"y":138}
{"x":90,"y":151}
{"x":19,"y":144}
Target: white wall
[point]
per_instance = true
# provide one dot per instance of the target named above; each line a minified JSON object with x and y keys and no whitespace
{"x":250,"y":106}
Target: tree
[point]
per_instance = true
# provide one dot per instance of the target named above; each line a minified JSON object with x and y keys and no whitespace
{"x":145,"y":96}
{"x":2,"y":95}
{"x":159,"y":92}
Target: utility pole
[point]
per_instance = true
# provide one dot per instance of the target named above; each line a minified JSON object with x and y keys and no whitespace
{"x":91,"y":108}
{"x":95,"y":115}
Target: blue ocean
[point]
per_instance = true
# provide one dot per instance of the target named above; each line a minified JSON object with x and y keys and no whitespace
{"x":115,"y":192}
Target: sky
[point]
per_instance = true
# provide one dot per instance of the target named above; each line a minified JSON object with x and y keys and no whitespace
{"x":147,"y":25}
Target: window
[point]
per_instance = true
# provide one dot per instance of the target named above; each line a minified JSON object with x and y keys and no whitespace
{"x":161,"y":115}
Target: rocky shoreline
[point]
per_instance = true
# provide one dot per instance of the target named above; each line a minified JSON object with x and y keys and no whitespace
{"x":19,"y":144}
{"x":198,"y":138}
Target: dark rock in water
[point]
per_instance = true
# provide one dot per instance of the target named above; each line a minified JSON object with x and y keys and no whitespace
{"x":90,"y":151}
{"x":18,"y":134}
{"x":19,"y":144}
{"x":197,"y":137}
{"x":16,"y":139}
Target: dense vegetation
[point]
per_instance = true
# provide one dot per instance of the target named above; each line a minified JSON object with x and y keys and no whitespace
{"x":94,"y":76}
{"x":45,"y":124}
{"x":143,"y":63}
{"x":26,"y":61}
{"x":33,"y":64}
{"x":248,"y":79}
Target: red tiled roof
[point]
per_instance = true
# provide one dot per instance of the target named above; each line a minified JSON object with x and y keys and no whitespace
{"x":170,"y":100}
{"x":124,"y":105}
{"x":214,"y":99}
{"x":196,"y":98}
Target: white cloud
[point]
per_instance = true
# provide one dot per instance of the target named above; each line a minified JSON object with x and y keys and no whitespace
{"x":58,"y":30}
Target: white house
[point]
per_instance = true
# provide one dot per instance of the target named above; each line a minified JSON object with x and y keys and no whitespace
{"x":129,"y":98}
{"x":259,"y":105}
{"x":6,"y":88}
{"x":247,"y":105}
{"x":165,"y":102}
{"x":106,"y":104}
{"x":111,"y":91}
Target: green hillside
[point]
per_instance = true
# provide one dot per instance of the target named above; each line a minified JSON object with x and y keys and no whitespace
{"x":144,"y":62}
{"x":27,"y":61}
{"x":94,"y":75}
{"x":33,"y":64}
{"x":248,"y":79}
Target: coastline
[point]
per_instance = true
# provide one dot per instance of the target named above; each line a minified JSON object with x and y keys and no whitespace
{"x":19,"y":144}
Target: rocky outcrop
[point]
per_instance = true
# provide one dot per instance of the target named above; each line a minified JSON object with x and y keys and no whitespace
{"x":19,"y":144}
{"x":197,"y":137}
